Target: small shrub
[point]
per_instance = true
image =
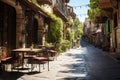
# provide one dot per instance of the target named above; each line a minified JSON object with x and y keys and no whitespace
{"x":65,"y":45}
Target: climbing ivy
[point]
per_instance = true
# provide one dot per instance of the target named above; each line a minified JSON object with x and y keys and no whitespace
{"x":55,"y":33}
{"x":69,"y":34}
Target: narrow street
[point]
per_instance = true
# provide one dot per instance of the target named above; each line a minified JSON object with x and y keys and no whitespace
{"x":90,"y":63}
{"x":40,"y":40}
{"x":100,"y":66}
{"x":84,"y":63}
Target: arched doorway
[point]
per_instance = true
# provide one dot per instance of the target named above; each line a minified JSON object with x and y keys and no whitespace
{"x":7,"y":26}
{"x":32,"y":32}
{"x":35,"y":31}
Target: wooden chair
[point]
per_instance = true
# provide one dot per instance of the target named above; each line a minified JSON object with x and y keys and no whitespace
{"x":42,"y":59}
{"x":5,"y":58}
{"x":52,"y":53}
{"x":29,"y":59}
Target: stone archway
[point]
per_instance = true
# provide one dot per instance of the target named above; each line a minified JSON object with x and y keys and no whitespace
{"x":7,"y":26}
{"x":32,"y":32}
{"x":41,"y":29}
{"x":20,"y":21}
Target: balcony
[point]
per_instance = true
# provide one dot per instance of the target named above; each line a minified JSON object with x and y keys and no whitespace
{"x":61,"y":10}
{"x":44,"y":1}
{"x":71,"y":12}
{"x":108,"y":5}
{"x":100,"y":19}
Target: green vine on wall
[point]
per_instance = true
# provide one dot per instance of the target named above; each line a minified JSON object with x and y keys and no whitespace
{"x":55,"y":33}
{"x":69,"y":34}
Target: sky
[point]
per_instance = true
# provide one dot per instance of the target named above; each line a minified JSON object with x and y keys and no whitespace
{"x":80,"y":8}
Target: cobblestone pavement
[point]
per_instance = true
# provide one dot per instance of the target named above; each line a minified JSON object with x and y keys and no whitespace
{"x":83,"y":63}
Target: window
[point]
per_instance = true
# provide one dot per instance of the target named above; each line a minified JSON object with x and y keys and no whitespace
{"x":115,"y":20}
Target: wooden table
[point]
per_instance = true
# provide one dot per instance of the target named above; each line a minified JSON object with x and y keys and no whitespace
{"x":26,"y":50}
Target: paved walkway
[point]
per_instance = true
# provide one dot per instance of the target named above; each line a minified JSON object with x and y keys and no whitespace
{"x":66,"y":67}
{"x":84,"y":63}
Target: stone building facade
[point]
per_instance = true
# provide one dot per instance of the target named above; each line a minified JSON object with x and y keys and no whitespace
{"x":26,"y":22}
{"x":112,"y":9}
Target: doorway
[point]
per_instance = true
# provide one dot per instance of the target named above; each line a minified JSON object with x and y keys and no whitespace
{"x":7,"y":26}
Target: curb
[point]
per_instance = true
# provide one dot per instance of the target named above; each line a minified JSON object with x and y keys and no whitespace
{"x":112,"y":55}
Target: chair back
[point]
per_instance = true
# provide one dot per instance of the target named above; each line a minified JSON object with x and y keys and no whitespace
{"x":3,"y":52}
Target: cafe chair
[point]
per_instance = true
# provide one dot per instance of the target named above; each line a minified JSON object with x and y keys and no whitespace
{"x":52,"y":52}
{"x":28,"y":59}
{"x":5,"y":58}
{"x":42,"y":59}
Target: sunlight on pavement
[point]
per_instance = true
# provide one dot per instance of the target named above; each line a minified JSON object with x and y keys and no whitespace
{"x":80,"y":50}
{"x":70,"y":65}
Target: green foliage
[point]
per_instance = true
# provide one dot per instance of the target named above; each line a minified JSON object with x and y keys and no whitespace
{"x":79,"y":31}
{"x":94,"y":10}
{"x":78,"y":28}
{"x":70,"y":22}
{"x":69,"y":34}
{"x":76,"y":22}
{"x":93,"y":4}
{"x":48,"y":44}
{"x":55,"y":33}
{"x":65,"y":45}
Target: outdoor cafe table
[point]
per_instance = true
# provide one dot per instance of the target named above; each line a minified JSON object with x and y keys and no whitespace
{"x":26,"y":50}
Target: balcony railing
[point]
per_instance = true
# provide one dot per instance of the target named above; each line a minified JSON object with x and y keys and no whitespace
{"x":61,"y":9}
{"x":107,"y":4}
{"x":44,"y":1}
{"x":100,"y":19}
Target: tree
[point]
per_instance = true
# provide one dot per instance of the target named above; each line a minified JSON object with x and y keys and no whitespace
{"x":94,"y":10}
{"x":79,"y":31}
